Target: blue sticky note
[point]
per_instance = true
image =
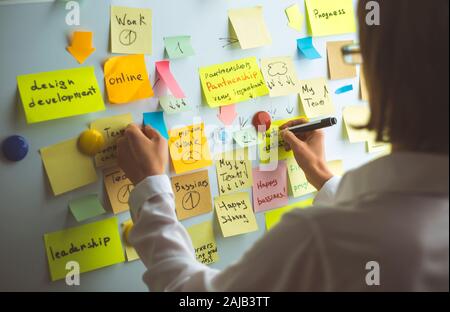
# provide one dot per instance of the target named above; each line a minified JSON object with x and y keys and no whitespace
{"x":344,"y":89}
{"x":305,"y":46}
{"x":156,"y":120}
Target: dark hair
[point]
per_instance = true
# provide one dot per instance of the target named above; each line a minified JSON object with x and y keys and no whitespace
{"x":406,"y":68}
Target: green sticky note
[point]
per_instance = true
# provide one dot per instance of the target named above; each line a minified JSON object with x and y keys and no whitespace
{"x":178,"y":46}
{"x":86,"y":207}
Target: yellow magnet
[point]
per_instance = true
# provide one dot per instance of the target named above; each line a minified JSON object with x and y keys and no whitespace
{"x":91,"y":142}
{"x":127,"y":226}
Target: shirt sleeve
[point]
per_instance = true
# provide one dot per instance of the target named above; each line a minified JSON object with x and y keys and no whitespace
{"x":288,"y":257}
{"x":161,"y":241}
{"x":327,"y":193}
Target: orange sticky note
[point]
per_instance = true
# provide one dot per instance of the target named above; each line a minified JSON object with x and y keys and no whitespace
{"x":81,"y":46}
{"x":126,"y":79}
{"x":163,"y":70}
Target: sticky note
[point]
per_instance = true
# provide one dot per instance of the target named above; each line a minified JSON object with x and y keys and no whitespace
{"x":280,"y":75}
{"x":93,"y":246}
{"x":59,"y":94}
{"x":271,"y":147}
{"x":163,"y":70}
{"x":173,"y":105}
{"x":189,"y":149}
{"x":315,"y":98}
{"x":363,"y":86}
{"x":234,"y":171}
{"x":235,"y":214}
{"x":337,"y":68}
{"x":374,"y":147}
{"x":192,"y":194}
{"x":250,"y":27}
{"x":178,"y":46}
{"x":129,"y":250}
{"x":273,"y":217}
{"x":81,"y":45}
{"x":299,"y":185}
{"x":330,"y":17}
{"x":344,"y":89}
{"x":232,"y":82}
{"x":156,"y":120}
{"x":126,"y":79}
{"x":131,"y":30}
{"x":205,"y":246}
{"x":118,"y":187}
{"x":295,"y":17}
{"x":356,"y":116}
{"x":306,"y":47}
{"x":86,"y":207}
{"x":270,"y":188}
{"x":227,"y":114}
{"x":67,"y":168}
{"x":246,"y":137}
{"x":112,"y":128}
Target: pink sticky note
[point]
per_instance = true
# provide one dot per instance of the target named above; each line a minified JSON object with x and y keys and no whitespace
{"x":227,"y":114}
{"x":163,"y":70}
{"x":270,"y":188}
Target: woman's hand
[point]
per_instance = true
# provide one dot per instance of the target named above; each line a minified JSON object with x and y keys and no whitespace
{"x":309,"y":151}
{"x":142,"y":153}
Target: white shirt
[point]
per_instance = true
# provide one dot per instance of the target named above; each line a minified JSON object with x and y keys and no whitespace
{"x":393,"y":210}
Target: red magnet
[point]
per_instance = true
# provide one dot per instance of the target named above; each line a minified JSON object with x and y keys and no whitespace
{"x":262,"y":121}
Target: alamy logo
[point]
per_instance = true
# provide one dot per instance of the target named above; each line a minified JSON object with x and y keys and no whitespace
{"x":373,"y":16}
{"x":373,"y":274}
{"x":73,"y":16}
{"x":73,"y":276}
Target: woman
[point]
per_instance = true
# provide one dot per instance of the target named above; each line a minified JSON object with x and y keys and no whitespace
{"x":384,"y":226}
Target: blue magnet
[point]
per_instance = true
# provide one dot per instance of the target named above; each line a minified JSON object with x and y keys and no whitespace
{"x":15,"y":148}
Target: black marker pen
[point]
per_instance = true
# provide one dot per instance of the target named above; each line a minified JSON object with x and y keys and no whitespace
{"x":314,"y":125}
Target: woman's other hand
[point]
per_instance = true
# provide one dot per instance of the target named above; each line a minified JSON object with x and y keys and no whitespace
{"x":142,"y":153}
{"x":309,"y":151}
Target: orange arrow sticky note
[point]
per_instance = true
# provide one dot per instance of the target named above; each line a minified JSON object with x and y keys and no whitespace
{"x":81,"y":46}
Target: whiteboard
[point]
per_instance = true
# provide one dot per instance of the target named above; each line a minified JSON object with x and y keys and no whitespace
{"x":33,"y":38}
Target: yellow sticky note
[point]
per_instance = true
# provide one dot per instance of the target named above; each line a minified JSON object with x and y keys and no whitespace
{"x":59,"y":94}
{"x":131,"y":30}
{"x":118,"y":187}
{"x":93,"y":246}
{"x":67,"y":168}
{"x":271,"y":147}
{"x":126,"y":79}
{"x":189,"y":149}
{"x":192,"y":194}
{"x":273,"y":217}
{"x":205,"y":246}
{"x":363,"y":86}
{"x":297,"y":179}
{"x":235,"y":214}
{"x":355,"y":116}
{"x":295,"y":17}
{"x":316,"y":98}
{"x":250,"y":27}
{"x":112,"y":128}
{"x":280,"y":75}
{"x":234,"y":171}
{"x":337,"y":68}
{"x":374,"y":147}
{"x":330,"y":17}
{"x":129,"y":250}
{"x":232,"y":82}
